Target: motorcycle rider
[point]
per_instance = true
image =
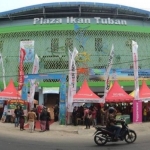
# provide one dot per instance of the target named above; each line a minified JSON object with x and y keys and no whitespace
{"x":111,"y":121}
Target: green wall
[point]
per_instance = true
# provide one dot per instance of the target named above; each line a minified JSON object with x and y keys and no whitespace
{"x":70,"y":27}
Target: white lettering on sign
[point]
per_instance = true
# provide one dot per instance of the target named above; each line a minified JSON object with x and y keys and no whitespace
{"x":72,"y":20}
{"x":110,"y":21}
{"x":137,"y":112}
{"x":47,"y":21}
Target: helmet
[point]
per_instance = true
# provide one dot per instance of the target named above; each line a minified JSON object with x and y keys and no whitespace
{"x":111,"y":110}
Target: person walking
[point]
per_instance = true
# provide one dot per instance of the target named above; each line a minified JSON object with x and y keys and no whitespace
{"x":103,"y":116}
{"x":86,"y":118}
{"x":94,"y":121}
{"x":48,"y":119}
{"x":43,"y":118}
{"x":31,"y":120}
{"x":17,"y":116}
{"x":22,"y":120}
{"x":74,"y":116}
{"x":56,"y":112}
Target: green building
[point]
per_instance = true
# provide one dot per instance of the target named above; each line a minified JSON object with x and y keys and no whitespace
{"x":90,"y":27}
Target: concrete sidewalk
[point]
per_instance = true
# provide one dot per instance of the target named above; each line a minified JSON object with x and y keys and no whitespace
{"x":141,"y":128}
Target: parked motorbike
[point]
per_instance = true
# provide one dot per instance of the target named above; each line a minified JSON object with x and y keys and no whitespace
{"x":104,"y":135}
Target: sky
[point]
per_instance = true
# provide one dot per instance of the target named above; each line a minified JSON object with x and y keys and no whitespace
{"x":13,"y":4}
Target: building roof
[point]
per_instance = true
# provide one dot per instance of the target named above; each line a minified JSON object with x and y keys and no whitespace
{"x":75,"y":9}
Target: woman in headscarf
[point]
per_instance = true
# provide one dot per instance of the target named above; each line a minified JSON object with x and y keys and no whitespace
{"x":43,"y":119}
{"x":22,"y":120}
{"x":48,"y":119}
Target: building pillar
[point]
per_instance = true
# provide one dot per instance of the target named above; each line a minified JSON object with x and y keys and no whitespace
{"x":41,"y":98}
{"x":62,"y":102}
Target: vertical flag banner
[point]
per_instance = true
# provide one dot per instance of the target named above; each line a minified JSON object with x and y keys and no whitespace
{"x":137,"y":111}
{"x":108,"y":68}
{"x":135,"y":67}
{"x":3,"y":70}
{"x":21,"y":69}
{"x":72,"y":78}
{"x":33,"y":81}
{"x":26,"y":54}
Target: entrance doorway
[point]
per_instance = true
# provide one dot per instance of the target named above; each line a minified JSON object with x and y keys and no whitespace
{"x":50,"y":100}
{"x":62,"y":94}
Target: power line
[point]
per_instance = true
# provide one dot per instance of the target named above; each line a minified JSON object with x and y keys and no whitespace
{"x":67,"y":70}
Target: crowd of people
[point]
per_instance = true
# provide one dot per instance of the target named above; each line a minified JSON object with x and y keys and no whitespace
{"x":94,"y":115}
{"x":33,"y":115}
{"x":90,"y":116}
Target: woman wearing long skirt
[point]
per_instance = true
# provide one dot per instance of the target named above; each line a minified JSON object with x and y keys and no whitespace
{"x":48,"y":119}
{"x":43,"y":119}
{"x":22,"y":120}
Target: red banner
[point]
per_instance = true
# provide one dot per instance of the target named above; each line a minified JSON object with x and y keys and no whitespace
{"x":21,"y":69}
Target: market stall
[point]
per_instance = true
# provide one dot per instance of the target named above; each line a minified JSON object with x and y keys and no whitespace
{"x":117,"y":94}
{"x":86,"y":95}
{"x":144,"y":95}
{"x":122,"y":100}
{"x":10,"y":92}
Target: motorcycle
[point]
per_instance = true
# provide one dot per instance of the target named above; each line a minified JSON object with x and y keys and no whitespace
{"x":104,"y":135}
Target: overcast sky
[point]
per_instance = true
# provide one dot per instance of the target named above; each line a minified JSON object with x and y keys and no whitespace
{"x":13,"y":4}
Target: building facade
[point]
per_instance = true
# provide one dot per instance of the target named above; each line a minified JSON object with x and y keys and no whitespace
{"x":90,"y":27}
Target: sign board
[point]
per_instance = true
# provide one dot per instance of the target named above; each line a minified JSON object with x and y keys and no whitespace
{"x":11,"y":106}
{"x":49,"y":90}
{"x":119,"y":74}
{"x":137,"y":111}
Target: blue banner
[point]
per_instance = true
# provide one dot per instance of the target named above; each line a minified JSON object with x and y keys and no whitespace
{"x":118,"y":74}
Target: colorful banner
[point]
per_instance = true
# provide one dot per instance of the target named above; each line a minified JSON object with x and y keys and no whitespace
{"x":11,"y":106}
{"x":137,"y":111}
{"x":118,"y":74}
{"x":72,"y":79}
{"x":47,"y":90}
{"x":28,"y":47}
{"x":107,"y":83}
{"x":21,"y":69}
{"x":33,"y":81}
{"x":26,"y":54}
{"x":135,"y":67}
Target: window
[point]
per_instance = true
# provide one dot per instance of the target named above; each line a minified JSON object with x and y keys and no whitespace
{"x":69,"y":44}
{"x":98,"y":44}
{"x":56,"y":64}
{"x":54,"y":45}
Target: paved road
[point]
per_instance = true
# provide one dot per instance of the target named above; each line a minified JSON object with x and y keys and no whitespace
{"x":63,"y":141}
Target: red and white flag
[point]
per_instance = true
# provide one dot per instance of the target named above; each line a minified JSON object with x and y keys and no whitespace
{"x":21,"y":69}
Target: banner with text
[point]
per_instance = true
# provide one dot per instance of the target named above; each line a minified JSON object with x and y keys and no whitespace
{"x":137,"y":111}
{"x":72,"y":78}
{"x":110,"y":61}
{"x":135,"y":67}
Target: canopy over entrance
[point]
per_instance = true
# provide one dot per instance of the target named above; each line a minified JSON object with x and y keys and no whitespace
{"x":86,"y":95}
{"x":117,"y":94}
{"x":10,"y":92}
